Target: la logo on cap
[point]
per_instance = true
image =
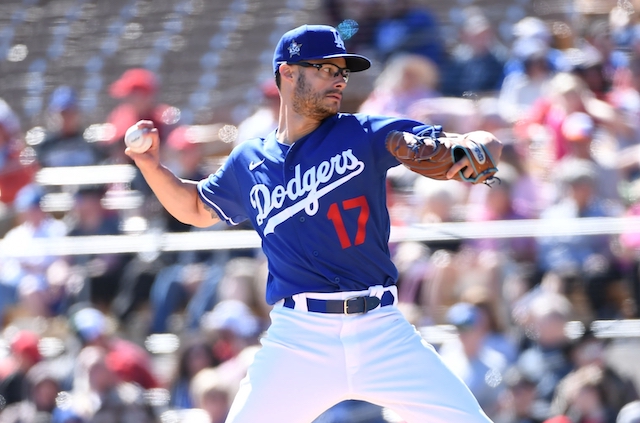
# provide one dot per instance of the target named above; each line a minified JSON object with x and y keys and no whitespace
{"x":338,"y":40}
{"x":294,"y":48}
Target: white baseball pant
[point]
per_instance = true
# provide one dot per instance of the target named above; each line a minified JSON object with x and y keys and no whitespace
{"x":311,"y":361}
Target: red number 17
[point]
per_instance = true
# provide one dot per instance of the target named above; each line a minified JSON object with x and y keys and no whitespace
{"x":336,"y":217}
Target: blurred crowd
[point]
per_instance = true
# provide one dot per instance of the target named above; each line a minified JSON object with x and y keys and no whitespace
{"x":167,"y":335}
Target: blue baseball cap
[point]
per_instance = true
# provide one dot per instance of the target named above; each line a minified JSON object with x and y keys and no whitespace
{"x":312,"y":42}
{"x":463,"y":315}
{"x":28,"y":197}
{"x":63,"y":98}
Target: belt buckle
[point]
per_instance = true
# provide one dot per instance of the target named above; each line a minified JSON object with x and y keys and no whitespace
{"x":345,"y":305}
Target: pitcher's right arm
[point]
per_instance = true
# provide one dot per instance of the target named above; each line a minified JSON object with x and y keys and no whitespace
{"x":178,"y":196}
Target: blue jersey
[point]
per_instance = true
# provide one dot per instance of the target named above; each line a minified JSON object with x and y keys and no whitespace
{"x":319,"y":205}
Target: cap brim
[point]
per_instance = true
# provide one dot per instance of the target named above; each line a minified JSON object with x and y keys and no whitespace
{"x":355,"y":62}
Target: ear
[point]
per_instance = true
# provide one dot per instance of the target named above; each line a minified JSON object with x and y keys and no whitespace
{"x":286,"y":71}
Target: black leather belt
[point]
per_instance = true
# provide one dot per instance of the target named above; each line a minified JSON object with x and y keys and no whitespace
{"x":355,"y":305}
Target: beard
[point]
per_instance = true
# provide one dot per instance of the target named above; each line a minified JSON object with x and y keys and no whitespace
{"x":310,"y":104}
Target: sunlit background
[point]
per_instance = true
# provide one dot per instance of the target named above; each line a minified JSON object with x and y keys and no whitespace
{"x":111,"y":265}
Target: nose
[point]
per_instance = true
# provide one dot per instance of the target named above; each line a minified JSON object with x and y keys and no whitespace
{"x":340,"y":83}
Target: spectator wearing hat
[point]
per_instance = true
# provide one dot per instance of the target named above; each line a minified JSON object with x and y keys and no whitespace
{"x":546,"y":359}
{"x":24,"y":355}
{"x":583,"y":397}
{"x":101,"y":272}
{"x":40,"y":402}
{"x":534,"y":28}
{"x":625,"y":98}
{"x":584,"y":262}
{"x":185,"y":154}
{"x":130,"y":362}
{"x":17,"y":167}
{"x":518,"y":402}
{"x":138,"y":89}
{"x":64,"y":144}
{"x":235,"y":325}
{"x":582,"y":133}
{"x":195,"y":354}
{"x":101,"y":395}
{"x":476,"y":64}
{"x":478,"y":365}
{"x":405,"y":27}
{"x":24,"y":274}
{"x":615,"y":389}
{"x":211,"y":394}
{"x":520,"y":90}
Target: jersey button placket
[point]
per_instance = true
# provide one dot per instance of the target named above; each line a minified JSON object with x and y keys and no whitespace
{"x":302,"y":219}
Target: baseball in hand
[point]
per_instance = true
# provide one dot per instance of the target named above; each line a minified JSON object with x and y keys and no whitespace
{"x":138,"y":140}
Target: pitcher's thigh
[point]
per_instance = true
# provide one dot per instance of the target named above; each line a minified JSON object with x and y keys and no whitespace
{"x":410,"y":378}
{"x":289,"y":383}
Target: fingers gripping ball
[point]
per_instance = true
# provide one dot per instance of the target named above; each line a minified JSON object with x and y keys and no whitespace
{"x":138,"y":139}
{"x":432,"y":156}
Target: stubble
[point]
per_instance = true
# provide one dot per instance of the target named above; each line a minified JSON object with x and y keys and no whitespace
{"x":310,"y":104}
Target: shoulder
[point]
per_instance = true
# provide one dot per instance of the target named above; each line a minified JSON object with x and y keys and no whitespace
{"x":365,"y":118}
{"x":245,"y":152}
{"x":247,"y":147}
{"x":376,"y":123}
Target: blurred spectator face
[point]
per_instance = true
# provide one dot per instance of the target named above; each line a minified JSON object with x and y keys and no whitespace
{"x":142,"y":100}
{"x":88,"y":210}
{"x":70,"y":120}
{"x":440,"y":207}
{"x":33,"y":215}
{"x":594,"y":77}
{"x":190,"y":157}
{"x":587,"y":401}
{"x":477,"y":33}
{"x":536,"y":67}
{"x":550,"y":329}
{"x":27,"y":205}
{"x":185,"y":150}
{"x":416,"y":73}
{"x":567,"y":91}
{"x":470,"y":321}
{"x":138,"y":87}
{"x":582,"y":193}
{"x":589,"y":352}
{"x":64,"y":110}
{"x":499,"y":200}
{"x":44,"y":394}
{"x":472,"y":339}
{"x":523,"y":395}
{"x":572,"y":100}
{"x":101,"y":378}
{"x":198,"y":358}
{"x":216,"y":404}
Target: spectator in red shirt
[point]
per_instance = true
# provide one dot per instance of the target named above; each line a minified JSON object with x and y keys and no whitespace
{"x":138,"y":89}
{"x":17,"y":167}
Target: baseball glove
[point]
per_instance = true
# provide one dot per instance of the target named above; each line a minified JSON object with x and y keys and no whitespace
{"x":431,"y":155}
